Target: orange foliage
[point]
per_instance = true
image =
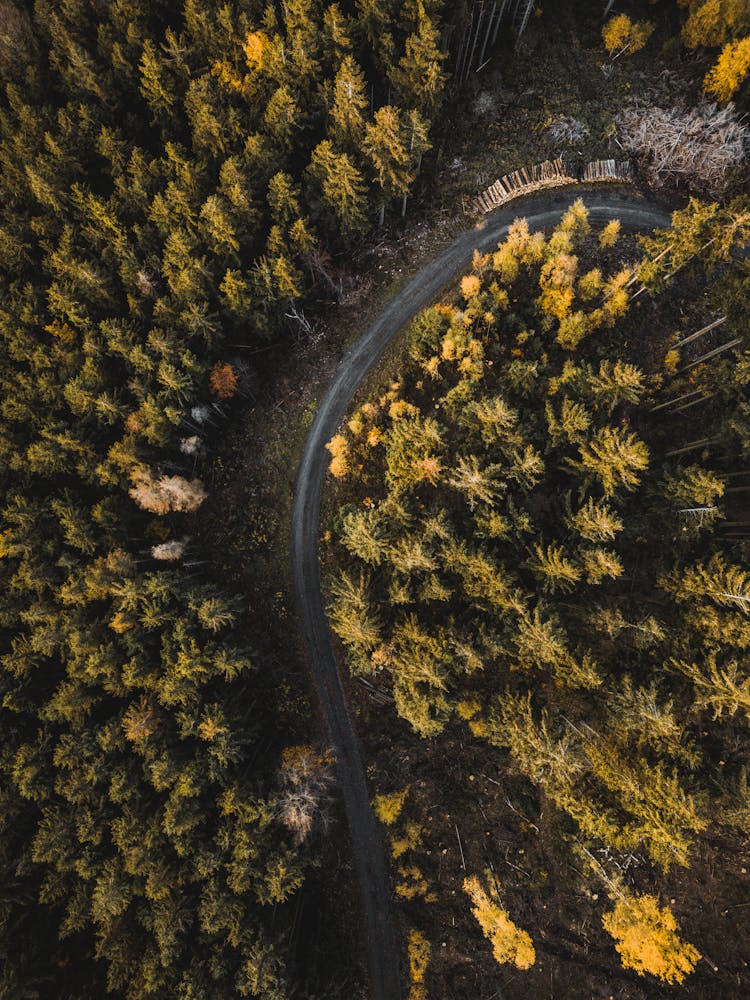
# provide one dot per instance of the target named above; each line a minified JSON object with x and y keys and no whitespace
{"x":339,"y":449}
{"x":140,"y":721}
{"x":223,"y":380}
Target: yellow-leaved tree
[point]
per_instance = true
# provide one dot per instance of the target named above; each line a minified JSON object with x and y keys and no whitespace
{"x":509,"y":943}
{"x":724,"y":23}
{"x":725,"y":77}
{"x":646,"y":937}
{"x":621,"y":35}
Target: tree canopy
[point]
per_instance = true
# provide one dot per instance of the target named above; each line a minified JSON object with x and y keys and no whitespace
{"x":531,"y":546}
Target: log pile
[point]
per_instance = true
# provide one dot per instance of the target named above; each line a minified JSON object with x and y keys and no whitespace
{"x":550,"y":173}
{"x":607,"y":170}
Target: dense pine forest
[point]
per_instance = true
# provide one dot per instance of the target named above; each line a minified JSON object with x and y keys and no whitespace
{"x":183,"y":187}
{"x":172,"y":175}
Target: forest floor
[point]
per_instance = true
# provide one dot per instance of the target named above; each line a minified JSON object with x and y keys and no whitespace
{"x":502,"y":123}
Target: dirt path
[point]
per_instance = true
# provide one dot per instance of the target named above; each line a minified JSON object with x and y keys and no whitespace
{"x":541,"y":211}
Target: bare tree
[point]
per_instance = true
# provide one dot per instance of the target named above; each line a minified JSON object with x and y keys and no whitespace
{"x":305,"y":777}
{"x":163,"y":494}
{"x":567,"y":129}
{"x":171,"y":551}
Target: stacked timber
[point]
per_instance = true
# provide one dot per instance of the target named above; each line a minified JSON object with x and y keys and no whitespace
{"x":608,"y":170}
{"x":551,"y":173}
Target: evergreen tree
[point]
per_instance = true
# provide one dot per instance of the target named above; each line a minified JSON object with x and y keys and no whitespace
{"x":341,"y":185}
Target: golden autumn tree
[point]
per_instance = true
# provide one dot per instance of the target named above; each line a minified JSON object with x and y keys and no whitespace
{"x":727,"y":75}
{"x":509,"y":943}
{"x":724,"y":24}
{"x":621,"y":35}
{"x":647,"y":940}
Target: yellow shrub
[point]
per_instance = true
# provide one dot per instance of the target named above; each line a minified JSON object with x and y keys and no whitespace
{"x":479,"y":727}
{"x":509,"y":943}
{"x":449,"y":347}
{"x":339,"y":449}
{"x":356,"y":424}
{"x":413,"y":884}
{"x":646,"y":938}
{"x":121,"y":623}
{"x":671,"y":361}
{"x":590,"y":284}
{"x":469,"y":708}
{"x":400,"y":408}
{"x":470,"y":285}
{"x":500,"y":297}
{"x":573,"y":329}
{"x":388,"y":807}
{"x":419,"y":960}
{"x":429,"y":469}
{"x":410,"y":841}
{"x":556,"y":302}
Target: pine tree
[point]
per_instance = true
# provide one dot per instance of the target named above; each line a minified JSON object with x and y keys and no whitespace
{"x":595,"y":521}
{"x":156,"y":86}
{"x":553,"y":569}
{"x":354,"y":619}
{"x":342,"y":187}
{"x":418,"y":77}
{"x":719,"y":686}
{"x":386,"y":147}
{"x":282,"y":117}
{"x":477,"y":483}
{"x":615,"y":458}
{"x":615,"y":383}
{"x":349,"y":102}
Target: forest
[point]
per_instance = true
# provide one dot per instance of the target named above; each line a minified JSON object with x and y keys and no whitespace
{"x":541,"y":548}
{"x":161,"y":168}
{"x":184,"y":187}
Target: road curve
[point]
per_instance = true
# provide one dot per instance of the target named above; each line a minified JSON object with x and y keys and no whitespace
{"x":541,"y":211}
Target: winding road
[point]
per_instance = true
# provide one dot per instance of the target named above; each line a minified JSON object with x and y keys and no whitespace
{"x":541,"y":210}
